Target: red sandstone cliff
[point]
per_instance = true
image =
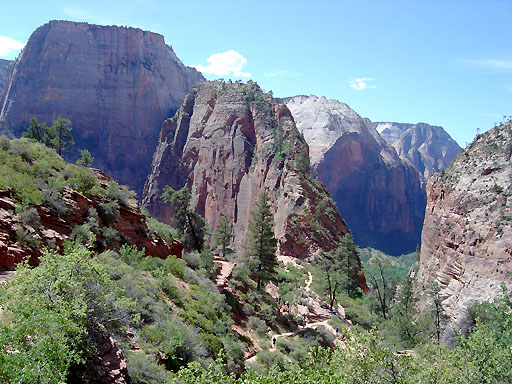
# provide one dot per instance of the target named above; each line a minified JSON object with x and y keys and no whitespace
{"x":467,"y":235}
{"x":116,"y":85}
{"x":57,"y":227}
{"x":227,"y":143}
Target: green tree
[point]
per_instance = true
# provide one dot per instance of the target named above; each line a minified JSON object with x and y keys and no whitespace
{"x":223,"y":237}
{"x":188,"y":222}
{"x":85,"y":159}
{"x":59,"y":132}
{"x":262,"y":245}
{"x":52,"y":313}
{"x":436,"y":310}
{"x":36,"y":131}
{"x":382,"y":284}
{"x":341,"y":268}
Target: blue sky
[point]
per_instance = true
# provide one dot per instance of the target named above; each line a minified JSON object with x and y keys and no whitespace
{"x":445,"y":62}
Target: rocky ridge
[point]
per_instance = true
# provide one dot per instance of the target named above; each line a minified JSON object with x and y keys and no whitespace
{"x":427,"y":148}
{"x":57,"y":227}
{"x":5,"y":67}
{"x":116,"y":85}
{"x":227,"y":143}
{"x":467,"y":235}
{"x":378,"y":194}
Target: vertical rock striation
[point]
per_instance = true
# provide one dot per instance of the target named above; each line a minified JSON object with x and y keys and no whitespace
{"x":5,"y":67}
{"x":427,"y":147}
{"x":115,"y":84}
{"x":229,"y":142}
{"x":378,"y":194}
{"x":467,"y":235}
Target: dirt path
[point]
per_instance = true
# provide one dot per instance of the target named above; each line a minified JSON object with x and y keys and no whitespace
{"x":6,"y":276}
{"x":226,"y":268}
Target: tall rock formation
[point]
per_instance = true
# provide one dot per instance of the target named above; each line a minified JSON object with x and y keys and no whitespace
{"x":428,"y":148}
{"x":229,"y":142}
{"x":5,"y":67}
{"x":378,"y":195}
{"x":467,"y":236}
{"x":116,"y":85}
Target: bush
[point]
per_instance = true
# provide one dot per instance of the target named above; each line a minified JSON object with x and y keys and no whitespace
{"x":144,"y":369}
{"x":109,"y":211}
{"x":110,"y":236}
{"x":258,"y":325}
{"x":269,"y":359}
{"x":28,"y":216}
{"x":193,"y":260}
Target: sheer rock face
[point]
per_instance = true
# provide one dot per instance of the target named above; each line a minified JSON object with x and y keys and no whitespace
{"x":428,"y":148}
{"x":467,"y":236}
{"x":116,"y":85}
{"x":222,"y":145}
{"x":378,"y":194}
{"x":5,"y":67}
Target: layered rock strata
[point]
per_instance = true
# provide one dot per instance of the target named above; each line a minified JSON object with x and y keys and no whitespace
{"x":378,"y":194}
{"x":427,"y":147}
{"x":467,"y":236}
{"x":116,"y":85}
{"x":56,"y":227}
{"x":228,"y":143}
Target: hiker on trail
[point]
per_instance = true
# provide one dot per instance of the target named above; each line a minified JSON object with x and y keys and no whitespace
{"x":303,"y":323}
{"x":274,"y":341}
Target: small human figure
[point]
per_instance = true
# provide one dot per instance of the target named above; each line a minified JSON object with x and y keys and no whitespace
{"x":274,"y":341}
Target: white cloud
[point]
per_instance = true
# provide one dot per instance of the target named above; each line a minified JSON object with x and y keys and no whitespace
{"x":490,"y":63}
{"x":361,"y":83}
{"x":282,"y":73}
{"x":229,"y":63}
{"x":7,"y":45}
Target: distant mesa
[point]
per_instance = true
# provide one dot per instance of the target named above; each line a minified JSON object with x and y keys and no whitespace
{"x":115,"y":84}
{"x":377,"y":193}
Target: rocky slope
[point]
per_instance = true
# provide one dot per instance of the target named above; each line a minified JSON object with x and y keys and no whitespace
{"x":40,"y":208}
{"x":229,"y":142}
{"x":379,"y":195}
{"x":116,"y":85}
{"x":467,"y":236}
{"x":428,"y":148}
{"x":5,"y":66}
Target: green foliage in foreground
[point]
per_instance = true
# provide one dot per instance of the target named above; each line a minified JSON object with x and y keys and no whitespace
{"x":365,"y":359}
{"x":36,"y":174}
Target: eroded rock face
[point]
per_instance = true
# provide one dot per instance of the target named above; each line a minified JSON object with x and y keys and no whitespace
{"x":467,"y":236}
{"x":57,"y":227}
{"x":229,"y":142}
{"x":427,"y":147}
{"x":116,"y":85}
{"x":5,"y":67}
{"x":378,"y":195}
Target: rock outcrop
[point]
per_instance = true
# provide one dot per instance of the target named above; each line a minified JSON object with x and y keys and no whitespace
{"x":116,"y":85}
{"x":378,"y":195}
{"x":56,"y":227}
{"x":428,"y":148}
{"x":5,"y":67}
{"x":467,"y":236}
{"x":229,"y":142}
